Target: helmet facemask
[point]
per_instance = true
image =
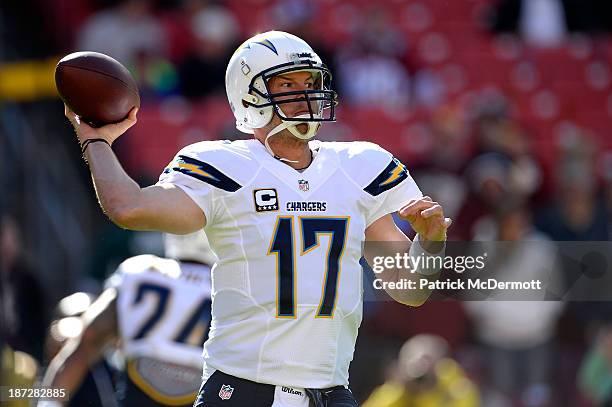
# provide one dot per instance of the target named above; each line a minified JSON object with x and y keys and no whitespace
{"x":320,"y":100}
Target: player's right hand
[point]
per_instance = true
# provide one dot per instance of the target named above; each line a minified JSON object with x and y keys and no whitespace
{"x":109,"y":132}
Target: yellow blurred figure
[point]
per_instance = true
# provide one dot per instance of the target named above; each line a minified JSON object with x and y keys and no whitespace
{"x":17,"y":371}
{"x":426,"y":377}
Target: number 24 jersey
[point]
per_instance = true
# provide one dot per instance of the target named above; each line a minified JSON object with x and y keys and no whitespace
{"x":287,"y":288}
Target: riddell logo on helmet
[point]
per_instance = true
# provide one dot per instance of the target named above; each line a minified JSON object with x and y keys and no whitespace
{"x":296,"y":56}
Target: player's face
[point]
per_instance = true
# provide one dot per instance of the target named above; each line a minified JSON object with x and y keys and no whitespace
{"x":291,"y":82}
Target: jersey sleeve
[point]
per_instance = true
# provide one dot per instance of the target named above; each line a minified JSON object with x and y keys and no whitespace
{"x":197,"y":170}
{"x":391,"y":189}
{"x":190,"y":173}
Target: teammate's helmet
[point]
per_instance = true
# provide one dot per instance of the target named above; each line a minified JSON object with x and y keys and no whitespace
{"x":194,"y":247}
{"x":268,"y":54}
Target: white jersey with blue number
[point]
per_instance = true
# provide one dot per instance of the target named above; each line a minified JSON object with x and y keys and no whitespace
{"x":287,"y":289}
{"x":163,"y":309}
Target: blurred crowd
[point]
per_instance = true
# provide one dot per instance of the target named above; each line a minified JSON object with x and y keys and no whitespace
{"x":500,"y":109}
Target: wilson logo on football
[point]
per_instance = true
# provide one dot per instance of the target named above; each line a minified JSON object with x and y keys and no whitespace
{"x":226,"y":392}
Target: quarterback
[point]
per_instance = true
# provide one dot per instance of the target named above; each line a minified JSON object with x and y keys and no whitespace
{"x":286,"y":217}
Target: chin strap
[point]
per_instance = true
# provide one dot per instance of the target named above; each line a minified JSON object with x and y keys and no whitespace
{"x":292,"y":127}
{"x":276,"y":156}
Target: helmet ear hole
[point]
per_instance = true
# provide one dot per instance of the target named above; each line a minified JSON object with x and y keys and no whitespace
{"x":249,"y":99}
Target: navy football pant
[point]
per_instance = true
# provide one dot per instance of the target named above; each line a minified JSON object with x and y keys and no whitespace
{"x":245,"y":393}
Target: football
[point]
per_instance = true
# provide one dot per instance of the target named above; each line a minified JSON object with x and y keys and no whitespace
{"x":96,"y":87}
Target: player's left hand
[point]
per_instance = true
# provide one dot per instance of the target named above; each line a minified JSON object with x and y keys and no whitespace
{"x":426,"y":218}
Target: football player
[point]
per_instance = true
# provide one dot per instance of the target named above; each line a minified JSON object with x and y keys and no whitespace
{"x":286,"y":216}
{"x":158,"y":311}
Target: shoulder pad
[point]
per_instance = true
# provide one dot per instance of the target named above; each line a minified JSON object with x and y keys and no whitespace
{"x":222,"y":164}
{"x":372,"y":167}
{"x":148,"y":263}
{"x":137,"y":266}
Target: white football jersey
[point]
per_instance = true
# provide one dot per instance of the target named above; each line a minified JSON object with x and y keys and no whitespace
{"x":287,"y":289}
{"x":163,"y":308}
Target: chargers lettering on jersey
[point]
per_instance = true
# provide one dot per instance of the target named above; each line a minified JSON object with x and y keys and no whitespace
{"x":391,"y":176}
{"x":311,"y":206}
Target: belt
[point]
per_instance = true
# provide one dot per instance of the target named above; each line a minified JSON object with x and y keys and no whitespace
{"x":318,"y":397}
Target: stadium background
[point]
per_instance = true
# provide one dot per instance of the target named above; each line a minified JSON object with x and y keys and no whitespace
{"x":496,"y":107}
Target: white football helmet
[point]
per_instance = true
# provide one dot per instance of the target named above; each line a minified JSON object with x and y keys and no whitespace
{"x":257,"y":60}
{"x":191,"y":247}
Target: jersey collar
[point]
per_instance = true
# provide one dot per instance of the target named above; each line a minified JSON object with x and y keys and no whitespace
{"x":323,"y":165}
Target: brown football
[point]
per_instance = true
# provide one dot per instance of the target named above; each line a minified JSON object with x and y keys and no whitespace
{"x":96,"y":87}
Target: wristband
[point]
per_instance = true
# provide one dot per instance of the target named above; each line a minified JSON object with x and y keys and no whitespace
{"x":429,"y":259}
{"x":87,"y":142}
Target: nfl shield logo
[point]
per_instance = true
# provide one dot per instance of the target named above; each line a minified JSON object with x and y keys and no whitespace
{"x":303,"y":184}
{"x":226,"y":391}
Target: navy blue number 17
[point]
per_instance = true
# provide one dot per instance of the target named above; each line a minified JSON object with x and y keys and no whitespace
{"x":282,"y":245}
